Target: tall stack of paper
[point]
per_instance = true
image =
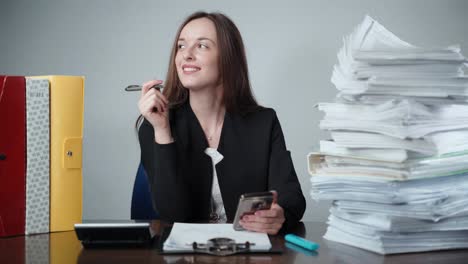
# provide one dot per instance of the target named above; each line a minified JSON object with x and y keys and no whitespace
{"x":396,"y":164}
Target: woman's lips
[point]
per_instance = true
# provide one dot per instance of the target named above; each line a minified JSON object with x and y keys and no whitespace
{"x":190,"y":68}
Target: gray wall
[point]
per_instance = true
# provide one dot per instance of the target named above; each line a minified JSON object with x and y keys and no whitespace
{"x":291,"y":49}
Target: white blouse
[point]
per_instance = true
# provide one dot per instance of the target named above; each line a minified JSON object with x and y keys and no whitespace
{"x":218,"y":214}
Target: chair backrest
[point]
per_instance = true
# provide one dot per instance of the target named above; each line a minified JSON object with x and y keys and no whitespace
{"x":142,"y":205}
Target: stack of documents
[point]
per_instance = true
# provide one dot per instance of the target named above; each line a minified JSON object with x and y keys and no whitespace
{"x":396,"y":162}
{"x":400,"y":118}
{"x":374,"y":61}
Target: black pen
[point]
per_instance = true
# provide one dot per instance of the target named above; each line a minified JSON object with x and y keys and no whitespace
{"x":135,"y":87}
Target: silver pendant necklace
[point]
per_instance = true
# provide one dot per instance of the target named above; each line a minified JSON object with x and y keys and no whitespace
{"x":210,"y":137}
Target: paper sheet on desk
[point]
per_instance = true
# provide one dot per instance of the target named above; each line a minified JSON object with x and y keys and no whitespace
{"x":183,"y":235}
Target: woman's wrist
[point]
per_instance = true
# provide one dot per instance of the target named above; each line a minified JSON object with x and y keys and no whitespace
{"x":163,"y":135}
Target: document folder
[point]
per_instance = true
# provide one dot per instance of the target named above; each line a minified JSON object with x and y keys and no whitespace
{"x":37,"y":156}
{"x":12,"y":155}
{"x":66,"y":133}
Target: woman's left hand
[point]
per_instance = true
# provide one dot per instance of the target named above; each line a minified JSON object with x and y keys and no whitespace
{"x":265,"y":221}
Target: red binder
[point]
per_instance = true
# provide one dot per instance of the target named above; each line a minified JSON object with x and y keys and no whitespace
{"x":12,"y":155}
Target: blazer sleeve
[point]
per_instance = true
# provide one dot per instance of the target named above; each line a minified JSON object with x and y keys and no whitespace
{"x":283,"y":178}
{"x":168,"y":187}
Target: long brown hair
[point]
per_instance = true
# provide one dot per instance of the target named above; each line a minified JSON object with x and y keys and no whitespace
{"x":237,"y":94}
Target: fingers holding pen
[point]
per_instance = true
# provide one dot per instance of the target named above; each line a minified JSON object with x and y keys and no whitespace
{"x":154,"y":107}
{"x":162,"y":97}
{"x":151,"y":100}
{"x":146,"y":87}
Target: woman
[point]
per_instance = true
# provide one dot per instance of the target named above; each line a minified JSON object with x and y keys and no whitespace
{"x":205,"y":140}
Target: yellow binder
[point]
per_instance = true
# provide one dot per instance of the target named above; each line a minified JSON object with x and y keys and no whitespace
{"x":66,"y":134}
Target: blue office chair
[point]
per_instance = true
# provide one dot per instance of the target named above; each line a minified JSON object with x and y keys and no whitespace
{"x":142,"y":205}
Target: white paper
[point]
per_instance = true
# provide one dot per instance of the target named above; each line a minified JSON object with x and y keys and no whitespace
{"x":393,"y":243}
{"x":183,"y":235}
{"x":382,"y":222}
{"x":375,"y":141}
{"x":396,"y":167}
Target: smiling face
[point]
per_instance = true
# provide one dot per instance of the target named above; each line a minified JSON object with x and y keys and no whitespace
{"x":197,"y":57}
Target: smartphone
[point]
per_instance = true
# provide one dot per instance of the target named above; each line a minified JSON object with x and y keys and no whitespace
{"x":249,"y":203}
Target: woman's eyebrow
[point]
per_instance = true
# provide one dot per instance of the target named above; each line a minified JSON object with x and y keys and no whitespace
{"x":201,"y":38}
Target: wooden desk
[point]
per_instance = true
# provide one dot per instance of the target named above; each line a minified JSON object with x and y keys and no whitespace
{"x":63,"y":247}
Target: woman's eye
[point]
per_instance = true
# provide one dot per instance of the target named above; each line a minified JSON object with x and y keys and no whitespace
{"x":180,"y":46}
{"x":202,"y":46}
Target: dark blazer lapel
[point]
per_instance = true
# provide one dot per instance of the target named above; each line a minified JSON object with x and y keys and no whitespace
{"x":228,"y":167}
{"x":200,"y":162}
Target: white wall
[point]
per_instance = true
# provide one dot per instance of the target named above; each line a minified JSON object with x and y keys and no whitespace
{"x":291,"y":49}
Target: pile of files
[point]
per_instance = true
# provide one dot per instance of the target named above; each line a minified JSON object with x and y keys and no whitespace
{"x":396,"y":166}
{"x":41,"y":131}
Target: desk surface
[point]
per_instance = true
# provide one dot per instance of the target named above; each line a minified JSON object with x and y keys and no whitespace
{"x":64,"y":247}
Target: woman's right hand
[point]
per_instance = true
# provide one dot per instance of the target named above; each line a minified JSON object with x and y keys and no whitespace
{"x":153,"y":106}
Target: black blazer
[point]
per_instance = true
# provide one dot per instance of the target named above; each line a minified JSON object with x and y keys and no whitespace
{"x":255,"y":159}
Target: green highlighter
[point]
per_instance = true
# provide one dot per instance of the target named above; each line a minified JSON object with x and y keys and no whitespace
{"x":296,"y":240}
